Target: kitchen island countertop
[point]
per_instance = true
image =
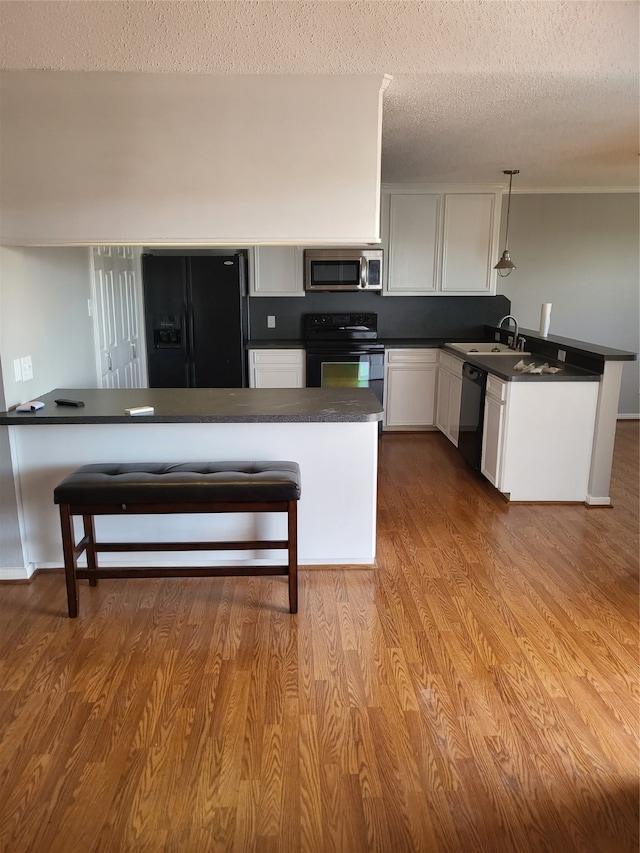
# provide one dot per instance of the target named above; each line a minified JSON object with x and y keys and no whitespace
{"x":204,"y":405}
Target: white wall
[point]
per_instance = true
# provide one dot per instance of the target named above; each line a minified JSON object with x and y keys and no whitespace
{"x":11,"y":551}
{"x":581,"y":253}
{"x":43,"y":313}
{"x":101,"y":157}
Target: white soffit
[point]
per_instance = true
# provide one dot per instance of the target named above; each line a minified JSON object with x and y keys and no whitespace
{"x":111,"y":157}
{"x":550,"y":88}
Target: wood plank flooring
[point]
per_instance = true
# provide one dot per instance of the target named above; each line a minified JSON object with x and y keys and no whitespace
{"x":478,"y":691}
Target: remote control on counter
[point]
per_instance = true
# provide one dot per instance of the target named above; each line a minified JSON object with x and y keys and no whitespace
{"x":63,"y":402}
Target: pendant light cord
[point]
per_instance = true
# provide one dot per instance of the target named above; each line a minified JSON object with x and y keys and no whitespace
{"x":506,"y":233}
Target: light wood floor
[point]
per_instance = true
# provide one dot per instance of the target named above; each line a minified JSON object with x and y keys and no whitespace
{"x":478,"y":691}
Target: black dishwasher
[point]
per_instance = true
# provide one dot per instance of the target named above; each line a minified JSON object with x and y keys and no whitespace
{"x":474,"y":383}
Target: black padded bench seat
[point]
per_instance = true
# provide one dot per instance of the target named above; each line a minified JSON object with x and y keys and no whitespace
{"x":148,"y":488}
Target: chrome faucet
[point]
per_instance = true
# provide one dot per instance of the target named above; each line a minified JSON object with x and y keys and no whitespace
{"x":514,"y":342}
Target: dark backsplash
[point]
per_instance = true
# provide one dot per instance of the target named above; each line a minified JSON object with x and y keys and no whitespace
{"x":398,"y":316}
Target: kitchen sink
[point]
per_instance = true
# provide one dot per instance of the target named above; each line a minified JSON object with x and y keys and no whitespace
{"x":486,"y":348}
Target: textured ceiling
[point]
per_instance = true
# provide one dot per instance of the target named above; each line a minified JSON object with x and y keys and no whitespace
{"x":550,"y":88}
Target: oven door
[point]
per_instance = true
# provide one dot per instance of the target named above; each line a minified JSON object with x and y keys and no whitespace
{"x":346,"y":367}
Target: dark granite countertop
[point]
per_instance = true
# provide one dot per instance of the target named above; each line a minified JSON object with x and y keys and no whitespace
{"x":584,"y":361}
{"x":204,"y":405}
{"x":503,"y":366}
{"x":569,"y":344}
{"x":535,"y":341}
{"x":419,"y":343}
{"x":275,"y":345}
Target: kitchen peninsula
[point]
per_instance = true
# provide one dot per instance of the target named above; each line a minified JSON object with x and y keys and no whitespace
{"x":331,"y":432}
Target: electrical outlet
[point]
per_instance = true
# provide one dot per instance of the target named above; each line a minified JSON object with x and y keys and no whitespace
{"x":271,"y":321}
{"x":17,"y":369}
{"x":496,"y":336}
{"x":27,"y":368}
{"x":562,"y":354}
{"x":510,"y":340}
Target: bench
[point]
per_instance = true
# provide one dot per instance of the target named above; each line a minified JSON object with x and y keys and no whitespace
{"x":149,"y":488}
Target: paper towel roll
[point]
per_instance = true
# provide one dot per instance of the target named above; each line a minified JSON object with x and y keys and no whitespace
{"x":545,"y":319}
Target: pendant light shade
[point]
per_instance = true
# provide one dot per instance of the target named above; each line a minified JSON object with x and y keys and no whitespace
{"x":505,"y":264}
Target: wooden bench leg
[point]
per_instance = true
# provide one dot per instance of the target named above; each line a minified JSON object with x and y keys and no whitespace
{"x":292,"y":515}
{"x":70,"y":559}
{"x":90,"y":534}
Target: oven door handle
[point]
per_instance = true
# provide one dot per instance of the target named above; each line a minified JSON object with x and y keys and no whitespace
{"x":344,"y":353}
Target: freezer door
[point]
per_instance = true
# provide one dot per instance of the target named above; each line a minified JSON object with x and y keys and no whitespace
{"x":165,"y":310}
{"x":217,"y":317}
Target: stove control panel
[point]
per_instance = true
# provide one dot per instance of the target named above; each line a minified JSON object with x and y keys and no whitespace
{"x":317,"y":323}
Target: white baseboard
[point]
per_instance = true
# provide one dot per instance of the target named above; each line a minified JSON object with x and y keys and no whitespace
{"x":628,"y":417}
{"x":595,"y":501}
{"x":17,"y":573}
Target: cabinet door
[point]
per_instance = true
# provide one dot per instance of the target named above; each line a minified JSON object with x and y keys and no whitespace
{"x":276,"y":368}
{"x":414,"y":229}
{"x":410,"y":394}
{"x":468,"y":240}
{"x":492,"y":440}
{"x":410,"y":387}
{"x":455,"y":396}
{"x":277,"y":271}
{"x":442,"y":407}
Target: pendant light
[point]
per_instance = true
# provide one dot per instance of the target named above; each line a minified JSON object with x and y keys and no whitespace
{"x":505,"y":264}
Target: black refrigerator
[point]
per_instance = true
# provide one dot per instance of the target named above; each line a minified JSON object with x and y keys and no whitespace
{"x":196,"y":320}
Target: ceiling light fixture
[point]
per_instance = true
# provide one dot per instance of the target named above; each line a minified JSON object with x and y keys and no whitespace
{"x":505,"y":264}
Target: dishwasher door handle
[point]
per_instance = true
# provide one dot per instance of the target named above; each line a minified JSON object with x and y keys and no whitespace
{"x":472,"y":373}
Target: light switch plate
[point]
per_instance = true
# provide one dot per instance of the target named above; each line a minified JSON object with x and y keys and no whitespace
{"x":17,"y":369}
{"x":562,"y":354}
{"x":271,"y":321}
{"x":27,"y":368}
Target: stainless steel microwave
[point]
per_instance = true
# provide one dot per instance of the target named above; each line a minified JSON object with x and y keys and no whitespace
{"x":343,"y":269}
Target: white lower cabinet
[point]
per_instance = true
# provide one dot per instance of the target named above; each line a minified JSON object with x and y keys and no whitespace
{"x":449,"y":395}
{"x":538,"y":437}
{"x":410,"y":388}
{"x":493,"y":430}
{"x":276,"y":368}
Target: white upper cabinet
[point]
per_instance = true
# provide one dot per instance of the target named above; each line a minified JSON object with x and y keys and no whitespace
{"x":440,"y":241}
{"x":276,"y":271}
{"x":467,"y":244}
{"x":414,"y":228}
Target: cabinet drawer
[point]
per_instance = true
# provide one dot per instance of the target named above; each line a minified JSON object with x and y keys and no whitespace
{"x":276,"y":356}
{"x":445,"y":361}
{"x":451,"y":363}
{"x":496,"y":388}
{"x":456,"y":365}
{"x":412,"y":356}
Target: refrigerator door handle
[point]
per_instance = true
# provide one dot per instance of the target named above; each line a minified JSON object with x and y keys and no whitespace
{"x":188,"y":311}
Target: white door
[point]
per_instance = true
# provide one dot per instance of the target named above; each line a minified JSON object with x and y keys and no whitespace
{"x":118,"y":308}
